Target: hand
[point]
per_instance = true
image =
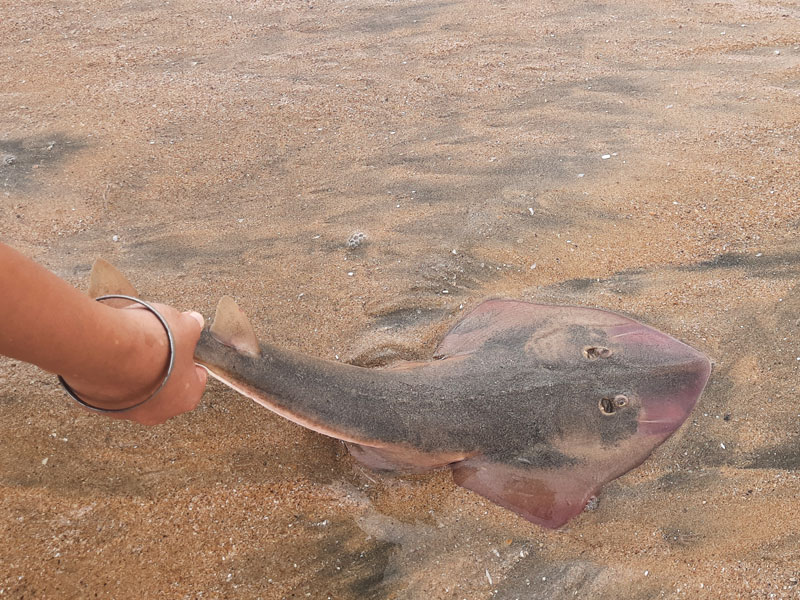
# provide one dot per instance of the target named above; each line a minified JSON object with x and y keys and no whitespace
{"x":111,"y":357}
{"x":186,"y":384}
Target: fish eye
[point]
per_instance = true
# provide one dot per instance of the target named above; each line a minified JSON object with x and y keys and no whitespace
{"x":595,"y":352}
{"x":620,"y":400}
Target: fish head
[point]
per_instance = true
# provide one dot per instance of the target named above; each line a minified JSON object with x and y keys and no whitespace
{"x":658,"y":375}
{"x":627,"y":387}
{"x":602,"y":375}
{"x":606,"y":391}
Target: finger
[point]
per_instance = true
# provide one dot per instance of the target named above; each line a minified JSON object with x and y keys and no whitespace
{"x":194,"y":392}
{"x":202,"y":377}
{"x":197,"y":317}
{"x":197,"y":384}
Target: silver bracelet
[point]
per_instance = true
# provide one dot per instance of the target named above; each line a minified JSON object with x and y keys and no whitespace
{"x":161,"y":318}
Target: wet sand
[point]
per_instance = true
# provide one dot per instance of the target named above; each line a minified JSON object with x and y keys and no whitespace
{"x":636,"y":156}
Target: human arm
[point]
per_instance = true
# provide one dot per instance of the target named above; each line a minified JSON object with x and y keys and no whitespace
{"x":112,"y":357}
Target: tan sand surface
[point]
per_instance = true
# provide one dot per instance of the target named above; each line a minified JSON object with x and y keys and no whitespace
{"x":637,"y":156}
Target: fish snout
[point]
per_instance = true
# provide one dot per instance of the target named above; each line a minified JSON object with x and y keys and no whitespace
{"x":670,"y":375}
{"x":670,"y":397}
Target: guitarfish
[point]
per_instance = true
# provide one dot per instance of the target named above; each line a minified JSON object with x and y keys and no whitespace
{"x":532,"y":406}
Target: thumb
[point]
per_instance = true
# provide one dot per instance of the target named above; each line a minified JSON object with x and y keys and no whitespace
{"x":197,"y":317}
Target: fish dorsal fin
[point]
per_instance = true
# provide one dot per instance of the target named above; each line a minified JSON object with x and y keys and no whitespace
{"x":232,"y":328}
{"x":106,"y":279}
{"x":482,"y":323}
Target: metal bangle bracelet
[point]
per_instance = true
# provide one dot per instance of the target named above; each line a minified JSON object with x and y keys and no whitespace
{"x":161,"y":318}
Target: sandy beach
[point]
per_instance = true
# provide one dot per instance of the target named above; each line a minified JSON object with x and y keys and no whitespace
{"x":640,"y":157}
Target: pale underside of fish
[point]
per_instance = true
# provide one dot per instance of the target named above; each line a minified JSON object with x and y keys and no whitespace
{"x":533,"y":406}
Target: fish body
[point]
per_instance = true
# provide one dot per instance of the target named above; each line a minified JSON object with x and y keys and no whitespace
{"x":532,"y":406}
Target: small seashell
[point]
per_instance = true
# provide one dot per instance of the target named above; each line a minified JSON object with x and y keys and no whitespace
{"x":356,"y":240}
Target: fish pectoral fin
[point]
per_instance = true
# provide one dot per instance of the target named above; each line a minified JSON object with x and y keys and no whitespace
{"x":106,"y":279}
{"x":401,"y":458}
{"x":232,"y":328}
{"x":548,"y":497}
{"x":482,"y":323}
